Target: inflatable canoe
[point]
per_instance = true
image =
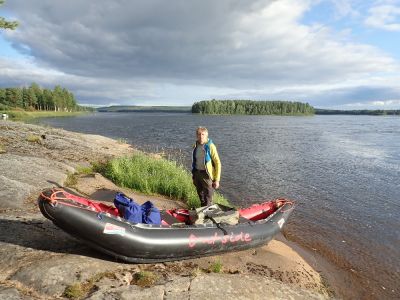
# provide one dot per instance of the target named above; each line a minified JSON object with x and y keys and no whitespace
{"x":100,"y":226}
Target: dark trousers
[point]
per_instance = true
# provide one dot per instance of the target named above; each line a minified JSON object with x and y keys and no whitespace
{"x":204,"y":187}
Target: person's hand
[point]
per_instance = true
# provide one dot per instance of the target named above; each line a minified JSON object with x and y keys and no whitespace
{"x":215,"y":184}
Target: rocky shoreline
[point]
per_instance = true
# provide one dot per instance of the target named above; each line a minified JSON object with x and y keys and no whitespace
{"x":39,"y":261}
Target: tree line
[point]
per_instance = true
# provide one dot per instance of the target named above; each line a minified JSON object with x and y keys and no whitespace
{"x":36,"y":98}
{"x":249,"y":107}
{"x":376,"y":112}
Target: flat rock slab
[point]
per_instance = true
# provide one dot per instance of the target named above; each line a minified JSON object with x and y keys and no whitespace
{"x":129,"y":293}
{"x":9,"y":293}
{"x":210,"y":286}
{"x":20,"y":176}
{"x":37,"y":157}
{"x":51,"y":276}
{"x":245,"y":287}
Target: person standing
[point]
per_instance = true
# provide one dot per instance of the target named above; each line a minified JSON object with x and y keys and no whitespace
{"x":206,"y":166}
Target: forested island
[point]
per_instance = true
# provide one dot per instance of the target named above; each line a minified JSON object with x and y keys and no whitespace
{"x":36,"y":98}
{"x":249,"y":107}
{"x":286,"y":108}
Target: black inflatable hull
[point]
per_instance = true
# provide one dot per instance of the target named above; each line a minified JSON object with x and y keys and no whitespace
{"x":142,"y":243}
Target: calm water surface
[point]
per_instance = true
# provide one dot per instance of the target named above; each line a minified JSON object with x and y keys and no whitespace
{"x":343,"y":171}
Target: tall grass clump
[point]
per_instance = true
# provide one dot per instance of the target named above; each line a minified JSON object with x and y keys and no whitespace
{"x":152,"y":175}
{"x":22,"y":115}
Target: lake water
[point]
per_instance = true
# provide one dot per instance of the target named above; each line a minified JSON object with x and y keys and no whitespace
{"x":343,"y":171}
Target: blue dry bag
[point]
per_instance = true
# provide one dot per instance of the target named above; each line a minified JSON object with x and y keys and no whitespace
{"x":151,"y":214}
{"x":128,"y":208}
{"x":146,"y":213}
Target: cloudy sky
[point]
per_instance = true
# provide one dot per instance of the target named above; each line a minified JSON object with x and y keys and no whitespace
{"x":341,"y":54}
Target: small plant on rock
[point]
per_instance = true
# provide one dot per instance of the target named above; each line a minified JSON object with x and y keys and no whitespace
{"x":145,"y":278}
{"x":72,"y":179}
{"x":80,"y":290}
{"x":34,"y":139}
{"x":83,"y":170}
{"x":216,"y":267}
{"x":74,"y":291}
{"x":196,"y":272}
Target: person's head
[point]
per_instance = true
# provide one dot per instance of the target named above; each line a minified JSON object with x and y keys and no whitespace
{"x":201,"y":135}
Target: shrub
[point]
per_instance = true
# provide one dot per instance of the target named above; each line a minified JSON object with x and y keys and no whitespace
{"x":152,"y":175}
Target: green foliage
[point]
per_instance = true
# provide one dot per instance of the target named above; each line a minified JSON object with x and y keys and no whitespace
{"x":3,"y":107}
{"x":74,"y":291}
{"x":100,"y":167}
{"x":145,"y":278}
{"x":34,"y":139}
{"x":36,"y":98}
{"x":83,"y":170}
{"x":216,"y":267}
{"x":72,"y":179}
{"x":80,"y":290}
{"x":7,"y":24}
{"x":152,"y":175}
{"x":21,"y":115}
{"x":248,"y":107}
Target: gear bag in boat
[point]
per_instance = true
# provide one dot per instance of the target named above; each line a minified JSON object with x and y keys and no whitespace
{"x":135,"y":213}
{"x":217,"y":214}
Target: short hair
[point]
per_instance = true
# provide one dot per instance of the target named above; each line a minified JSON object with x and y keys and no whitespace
{"x":201,"y":129}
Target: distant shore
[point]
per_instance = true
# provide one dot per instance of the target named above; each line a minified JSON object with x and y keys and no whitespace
{"x":24,"y":115}
{"x":188,"y":109}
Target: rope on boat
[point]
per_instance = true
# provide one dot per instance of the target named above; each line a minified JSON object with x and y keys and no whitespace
{"x":280,"y":202}
{"x":53,"y":197}
{"x":58,"y":194}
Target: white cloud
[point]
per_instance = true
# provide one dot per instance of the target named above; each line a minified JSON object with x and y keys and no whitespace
{"x":384,"y":16}
{"x":100,"y":90}
{"x":385,"y":103}
{"x":344,"y":8}
{"x":178,"y":52}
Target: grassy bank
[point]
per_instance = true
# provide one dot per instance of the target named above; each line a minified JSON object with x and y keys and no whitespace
{"x":21,"y":115}
{"x":152,"y":175}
